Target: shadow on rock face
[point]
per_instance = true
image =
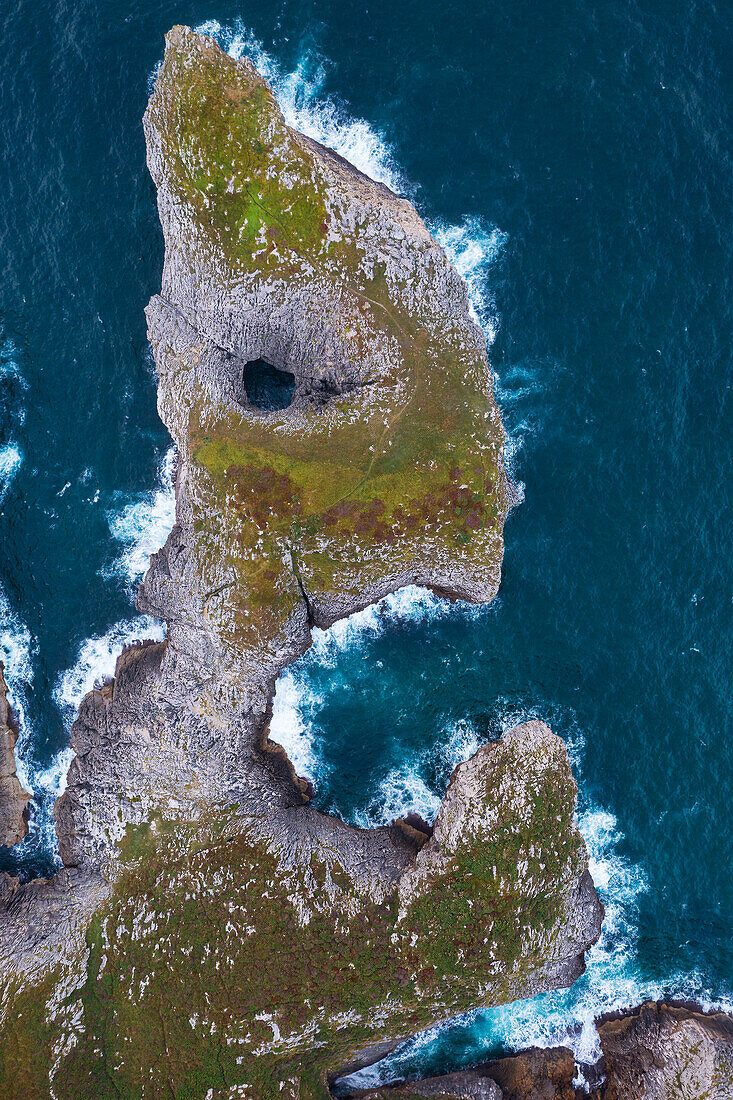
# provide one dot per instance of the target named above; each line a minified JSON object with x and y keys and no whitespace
{"x":268,"y":388}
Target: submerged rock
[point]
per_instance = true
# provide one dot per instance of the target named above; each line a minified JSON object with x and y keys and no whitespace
{"x":242,"y":940}
{"x":14,"y":798}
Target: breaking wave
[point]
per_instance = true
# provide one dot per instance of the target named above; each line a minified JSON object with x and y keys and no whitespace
{"x":140,"y":526}
{"x":414,"y":787}
{"x":96,"y":660}
{"x":17,"y":652}
{"x":473,"y":247}
{"x":296,"y":703}
{"x":143,"y":525}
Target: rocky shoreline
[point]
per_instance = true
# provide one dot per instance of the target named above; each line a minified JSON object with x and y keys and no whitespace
{"x":658,"y":1051}
{"x":14,"y":799}
{"x":211,"y":930}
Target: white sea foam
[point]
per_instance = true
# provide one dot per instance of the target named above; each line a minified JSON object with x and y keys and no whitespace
{"x":11,"y":459}
{"x":143,"y":525}
{"x":305,"y":107}
{"x":291,"y":728}
{"x":17,"y":648}
{"x":472,"y":247}
{"x":461,"y":742}
{"x":409,"y":603}
{"x":402,"y":791}
{"x":512,"y":447}
{"x":9,"y":360}
{"x":52,"y":779}
{"x":414,"y":787}
{"x":296,"y":704}
{"x":17,"y":652}
{"x":97,"y":659}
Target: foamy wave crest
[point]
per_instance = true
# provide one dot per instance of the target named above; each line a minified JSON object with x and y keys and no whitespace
{"x":418,"y":786}
{"x":291,"y":725}
{"x":512,"y":447}
{"x":52,"y":780}
{"x":17,"y":652}
{"x":143,"y":525}
{"x":16,"y":646}
{"x":11,"y":460}
{"x":97,"y":659}
{"x":294,"y":723}
{"x":462,"y":742}
{"x":472,"y":247}
{"x":299,"y":94}
{"x":11,"y":456}
{"x":409,"y":603}
{"x":402,"y":791}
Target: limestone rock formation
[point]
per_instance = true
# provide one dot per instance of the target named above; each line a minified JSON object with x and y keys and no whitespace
{"x":231,"y":936}
{"x":13,"y":798}
{"x":667,"y":1052}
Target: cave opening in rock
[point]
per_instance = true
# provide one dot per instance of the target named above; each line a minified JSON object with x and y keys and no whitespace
{"x":268,"y":388}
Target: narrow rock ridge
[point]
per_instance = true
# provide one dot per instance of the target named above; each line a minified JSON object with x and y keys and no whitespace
{"x":14,"y":799}
{"x":193,"y":857}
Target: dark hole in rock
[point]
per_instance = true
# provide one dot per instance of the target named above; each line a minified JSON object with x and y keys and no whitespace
{"x":267,"y":387}
{"x":418,"y":822}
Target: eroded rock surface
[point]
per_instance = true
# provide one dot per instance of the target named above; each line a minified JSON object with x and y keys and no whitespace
{"x":667,"y":1052}
{"x":241,"y":942}
{"x":14,"y":798}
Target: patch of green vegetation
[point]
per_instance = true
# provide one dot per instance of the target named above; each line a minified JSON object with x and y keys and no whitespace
{"x":27,"y":1038}
{"x":481,"y":888}
{"x":205,"y":971}
{"x":409,"y":475}
{"x":229,"y":155}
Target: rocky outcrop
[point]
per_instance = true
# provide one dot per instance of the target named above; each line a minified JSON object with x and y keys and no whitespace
{"x":240,"y":938}
{"x":467,"y":1084}
{"x":667,"y":1052}
{"x":13,"y":798}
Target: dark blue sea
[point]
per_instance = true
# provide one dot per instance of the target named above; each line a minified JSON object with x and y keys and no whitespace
{"x":575,"y":161}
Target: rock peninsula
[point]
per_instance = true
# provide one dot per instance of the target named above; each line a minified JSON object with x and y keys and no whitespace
{"x":213,"y":934}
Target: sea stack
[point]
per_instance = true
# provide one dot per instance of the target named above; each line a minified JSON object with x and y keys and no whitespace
{"x":330,"y":400}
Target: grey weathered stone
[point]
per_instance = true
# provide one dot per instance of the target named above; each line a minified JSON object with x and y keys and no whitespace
{"x":667,"y":1052}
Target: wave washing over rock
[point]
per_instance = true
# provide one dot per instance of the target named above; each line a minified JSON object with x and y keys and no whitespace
{"x":140,"y":526}
{"x":182,"y":823}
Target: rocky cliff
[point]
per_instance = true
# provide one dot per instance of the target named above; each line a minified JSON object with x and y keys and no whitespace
{"x":13,"y":798}
{"x":223,"y":937}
